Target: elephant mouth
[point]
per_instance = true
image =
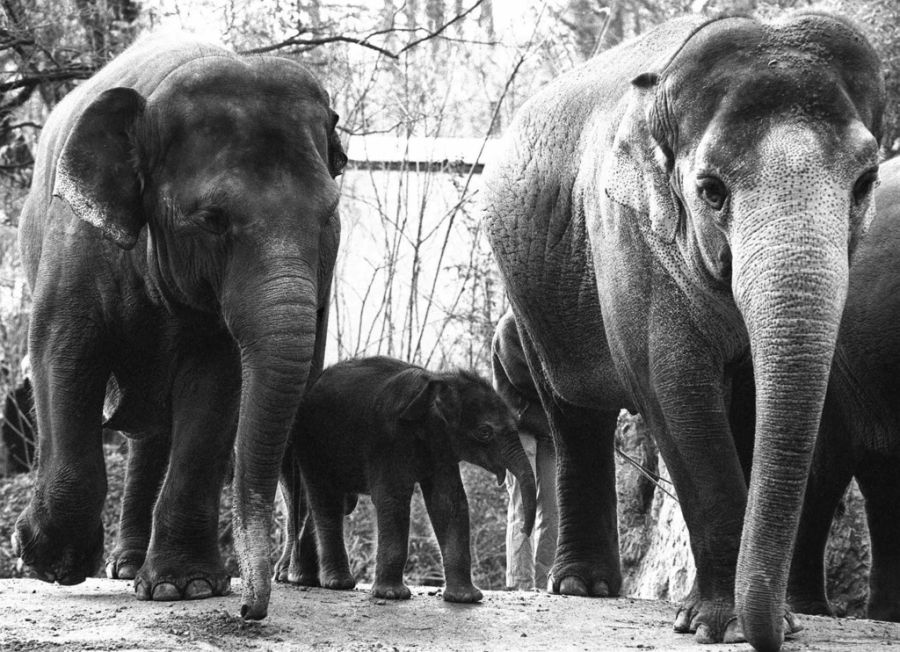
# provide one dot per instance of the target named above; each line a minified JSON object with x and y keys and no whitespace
{"x":501,"y":476}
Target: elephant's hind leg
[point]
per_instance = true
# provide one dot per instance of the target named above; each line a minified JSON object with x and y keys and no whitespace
{"x":183,"y":560}
{"x":148,"y":458}
{"x":299,"y":561}
{"x":880,"y":483}
{"x":587,"y":555}
{"x":326,"y":504}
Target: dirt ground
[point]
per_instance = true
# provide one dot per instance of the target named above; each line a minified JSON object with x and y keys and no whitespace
{"x":104,"y":615}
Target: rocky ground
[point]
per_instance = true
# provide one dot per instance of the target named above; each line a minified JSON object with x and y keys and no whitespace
{"x":104,"y":615}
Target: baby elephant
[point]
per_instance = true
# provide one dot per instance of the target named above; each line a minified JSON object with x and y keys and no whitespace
{"x":378,"y":426}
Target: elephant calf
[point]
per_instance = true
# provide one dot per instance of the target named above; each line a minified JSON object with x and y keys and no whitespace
{"x":378,"y":426}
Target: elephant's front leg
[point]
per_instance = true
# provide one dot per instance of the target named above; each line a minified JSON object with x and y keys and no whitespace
{"x":183,"y":559}
{"x":392,"y":499}
{"x":445,"y":499}
{"x":831,"y":472}
{"x":691,"y":426}
{"x":148,"y":458}
{"x":60,"y":534}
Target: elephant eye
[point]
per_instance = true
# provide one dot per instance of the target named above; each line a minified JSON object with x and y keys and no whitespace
{"x":864,"y":185}
{"x":484,"y":433}
{"x":211,"y":220}
{"x":712,"y":191}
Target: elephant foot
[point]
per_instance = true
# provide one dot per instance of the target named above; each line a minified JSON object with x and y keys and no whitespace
{"x":711,"y":621}
{"x":124,"y":564}
{"x":333,"y":581}
{"x":391,"y":591}
{"x":715,"y":621}
{"x":462,"y":593}
{"x":182,"y":583}
{"x":291,"y":572}
{"x":52,"y":554}
{"x":583,"y":580}
{"x":304,"y":579}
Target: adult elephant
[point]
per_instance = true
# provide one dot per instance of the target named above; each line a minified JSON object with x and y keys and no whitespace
{"x":860,"y":431}
{"x":179,"y":240}
{"x":683,"y":201}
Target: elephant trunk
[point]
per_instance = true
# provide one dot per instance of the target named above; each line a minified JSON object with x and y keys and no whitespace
{"x":516,"y":460}
{"x":275,"y":329}
{"x":790,"y":283}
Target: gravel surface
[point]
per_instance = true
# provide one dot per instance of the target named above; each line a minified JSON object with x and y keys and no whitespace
{"x":104,"y":615}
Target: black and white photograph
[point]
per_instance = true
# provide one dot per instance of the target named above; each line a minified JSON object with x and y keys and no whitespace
{"x":424,"y":325}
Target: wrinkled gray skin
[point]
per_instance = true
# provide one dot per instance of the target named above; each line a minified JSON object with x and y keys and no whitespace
{"x":681,"y":203}
{"x":379,"y":426}
{"x":860,"y":431}
{"x":179,"y":240}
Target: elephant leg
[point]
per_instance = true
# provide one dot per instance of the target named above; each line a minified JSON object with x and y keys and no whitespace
{"x":299,"y":562}
{"x":308,"y":556}
{"x":448,"y":509}
{"x":326,"y":504}
{"x":60,"y":534}
{"x":587,"y":553}
{"x":392,"y":504}
{"x":148,"y":459}
{"x":831,"y":471}
{"x":183,"y":559}
{"x":691,"y":425}
{"x":880,"y":484}
{"x":291,"y":492}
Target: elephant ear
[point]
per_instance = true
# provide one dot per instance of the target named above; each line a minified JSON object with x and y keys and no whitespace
{"x":337,"y":158}
{"x":636,"y":175}
{"x":96,"y":172}
{"x":406,"y":396}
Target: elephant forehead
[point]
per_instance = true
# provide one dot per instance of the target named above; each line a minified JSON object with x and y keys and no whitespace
{"x":748,"y":75}
{"x":777,"y":147}
{"x":236,"y":76}
{"x":247,"y":133}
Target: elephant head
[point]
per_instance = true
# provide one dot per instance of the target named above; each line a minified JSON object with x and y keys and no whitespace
{"x":230,"y":165}
{"x":458,"y":414}
{"x":754,"y":150}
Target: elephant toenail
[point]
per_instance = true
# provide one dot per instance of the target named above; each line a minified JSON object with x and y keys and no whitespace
{"x":733,"y":632}
{"x":165,"y":592}
{"x":704,"y":635}
{"x":573,"y":586}
{"x":141,"y":590}
{"x":600,"y":589}
{"x":127,"y":572}
{"x":198,"y":589}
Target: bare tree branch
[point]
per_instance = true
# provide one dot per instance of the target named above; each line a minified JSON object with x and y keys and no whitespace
{"x":310,"y":43}
{"x":69,"y":73}
{"x":306,"y":44}
{"x":437,"y":32}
